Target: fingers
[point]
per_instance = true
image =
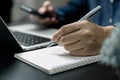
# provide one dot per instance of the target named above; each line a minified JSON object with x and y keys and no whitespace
{"x":47,"y":7}
{"x":73,"y":37}
{"x":71,"y":33}
{"x":42,"y":10}
{"x":80,"y":38}
{"x":65,"y":30}
{"x":75,"y":46}
{"x":47,"y":4}
{"x":83,"y":47}
{"x":82,"y":52}
{"x":70,"y":28}
{"x":69,"y":38}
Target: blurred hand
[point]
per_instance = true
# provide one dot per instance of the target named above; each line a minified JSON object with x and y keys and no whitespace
{"x":81,"y":38}
{"x":47,"y":8}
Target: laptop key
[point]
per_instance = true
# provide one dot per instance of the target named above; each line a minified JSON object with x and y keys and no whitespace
{"x":28,"y":39}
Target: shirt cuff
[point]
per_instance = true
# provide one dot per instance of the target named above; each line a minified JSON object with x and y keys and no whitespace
{"x":111,"y":48}
{"x":117,"y":25}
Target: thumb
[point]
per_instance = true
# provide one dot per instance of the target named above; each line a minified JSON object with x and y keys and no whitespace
{"x":46,"y":7}
{"x":47,"y":4}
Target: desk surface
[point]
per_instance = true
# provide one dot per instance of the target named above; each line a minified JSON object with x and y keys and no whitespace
{"x":14,"y":69}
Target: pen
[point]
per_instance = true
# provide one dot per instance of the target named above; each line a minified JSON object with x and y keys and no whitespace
{"x":86,"y":17}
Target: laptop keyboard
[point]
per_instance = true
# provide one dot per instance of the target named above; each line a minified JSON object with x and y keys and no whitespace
{"x":28,"y":39}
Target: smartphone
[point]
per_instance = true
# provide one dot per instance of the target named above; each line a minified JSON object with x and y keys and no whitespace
{"x":34,"y":12}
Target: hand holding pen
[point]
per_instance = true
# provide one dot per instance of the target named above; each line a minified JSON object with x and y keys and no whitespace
{"x":82,"y":38}
{"x":86,"y":17}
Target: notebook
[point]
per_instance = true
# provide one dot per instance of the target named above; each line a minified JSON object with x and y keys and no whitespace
{"x":13,"y":41}
{"x":55,"y":59}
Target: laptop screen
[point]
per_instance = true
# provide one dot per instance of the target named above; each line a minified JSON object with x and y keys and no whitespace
{"x":8,"y":43}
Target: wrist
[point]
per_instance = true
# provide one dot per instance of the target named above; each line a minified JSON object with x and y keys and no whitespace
{"x":108,"y":30}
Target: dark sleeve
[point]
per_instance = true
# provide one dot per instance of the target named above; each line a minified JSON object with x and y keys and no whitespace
{"x":73,"y":11}
{"x":111,"y":48}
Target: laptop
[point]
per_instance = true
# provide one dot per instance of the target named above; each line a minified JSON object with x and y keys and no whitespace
{"x":14,"y":41}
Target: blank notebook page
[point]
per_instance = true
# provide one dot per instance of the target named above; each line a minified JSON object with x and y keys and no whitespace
{"x":54,"y":59}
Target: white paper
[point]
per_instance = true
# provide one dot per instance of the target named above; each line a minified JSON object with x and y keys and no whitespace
{"x":54,"y":59}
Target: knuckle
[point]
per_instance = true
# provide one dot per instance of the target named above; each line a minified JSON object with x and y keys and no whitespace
{"x":84,"y":21}
{"x":63,"y":40}
{"x":63,"y":29}
{"x":91,"y":43}
{"x":76,"y":53}
{"x":87,"y":23}
{"x":67,"y":48}
{"x":46,"y":3}
{"x":87,"y":33}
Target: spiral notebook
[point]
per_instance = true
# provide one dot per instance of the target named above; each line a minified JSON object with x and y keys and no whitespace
{"x":54,"y":59}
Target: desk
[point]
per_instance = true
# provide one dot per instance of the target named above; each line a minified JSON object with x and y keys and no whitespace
{"x":14,"y":69}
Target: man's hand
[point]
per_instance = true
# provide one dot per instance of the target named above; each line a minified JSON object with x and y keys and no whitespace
{"x":81,"y":38}
{"x":49,"y":9}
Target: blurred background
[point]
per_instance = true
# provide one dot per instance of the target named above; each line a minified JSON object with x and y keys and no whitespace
{"x":11,"y":12}
{"x":18,"y":15}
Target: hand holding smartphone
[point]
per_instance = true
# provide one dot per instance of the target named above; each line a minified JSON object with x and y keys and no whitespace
{"x":34,"y":12}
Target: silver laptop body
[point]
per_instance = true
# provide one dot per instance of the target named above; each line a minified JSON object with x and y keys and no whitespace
{"x":9,"y":40}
